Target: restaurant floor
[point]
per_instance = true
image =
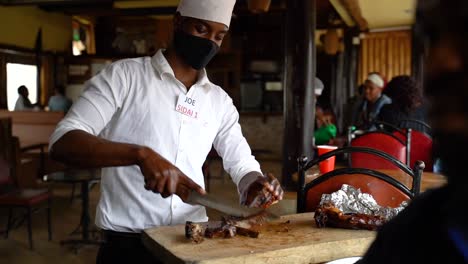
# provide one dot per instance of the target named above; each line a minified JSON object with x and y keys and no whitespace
{"x":66,"y":215}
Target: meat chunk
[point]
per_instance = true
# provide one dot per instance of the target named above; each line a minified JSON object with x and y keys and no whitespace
{"x":328,"y":215}
{"x":227,"y":228}
{"x":225,"y":231}
{"x":250,"y":222}
{"x":266,"y":199}
{"x":194,"y":231}
{"x":247,"y":232}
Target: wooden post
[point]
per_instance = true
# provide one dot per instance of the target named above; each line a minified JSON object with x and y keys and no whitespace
{"x":417,"y":59}
{"x":310,"y":17}
{"x":298,"y":76}
{"x":293,"y":74}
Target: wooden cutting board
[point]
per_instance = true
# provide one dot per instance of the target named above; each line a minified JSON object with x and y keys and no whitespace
{"x":299,"y":241}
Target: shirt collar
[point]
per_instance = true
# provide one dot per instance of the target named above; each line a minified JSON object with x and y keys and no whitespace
{"x":162,"y":67}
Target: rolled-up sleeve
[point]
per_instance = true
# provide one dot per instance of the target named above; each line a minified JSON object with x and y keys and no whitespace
{"x":232,"y":146}
{"x":95,"y":107}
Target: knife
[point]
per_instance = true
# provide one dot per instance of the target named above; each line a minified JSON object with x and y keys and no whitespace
{"x":213,"y":202}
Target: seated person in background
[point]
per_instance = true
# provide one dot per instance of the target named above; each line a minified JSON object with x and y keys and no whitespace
{"x":352,"y":105}
{"x":59,"y":102}
{"x":373,"y":102}
{"x":23,"y":103}
{"x":325,"y":129}
{"x":407,"y":103}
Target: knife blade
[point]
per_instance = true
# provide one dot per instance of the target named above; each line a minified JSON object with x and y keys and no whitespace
{"x":223,"y":206}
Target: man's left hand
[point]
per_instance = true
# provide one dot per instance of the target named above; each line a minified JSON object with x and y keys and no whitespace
{"x":258,"y":190}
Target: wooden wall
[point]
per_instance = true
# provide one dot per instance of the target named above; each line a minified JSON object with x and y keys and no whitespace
{"x":386,"y":52}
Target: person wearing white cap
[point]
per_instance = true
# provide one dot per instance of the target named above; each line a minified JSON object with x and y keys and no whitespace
{"x":150,"y":123}
{"x":318,"y":87}
{"x":373,"y":101}
{"x":325,"y":130}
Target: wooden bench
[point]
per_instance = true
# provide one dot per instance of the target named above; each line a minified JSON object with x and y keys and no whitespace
{"x":33,"y":127}
{"x":33,"y":130}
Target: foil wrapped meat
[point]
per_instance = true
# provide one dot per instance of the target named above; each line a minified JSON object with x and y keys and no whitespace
{"x":352,"y":209}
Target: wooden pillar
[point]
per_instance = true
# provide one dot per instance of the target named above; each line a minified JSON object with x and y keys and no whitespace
{"x":417,"y":58}
{"x":339,"y":95}
{"x":290,"y":72}
{"x":38,"y":57}
{"x":298,"y":80}
{"x":344,"y":79}
{"x":3,"y":82}
{"x":310,"y":17}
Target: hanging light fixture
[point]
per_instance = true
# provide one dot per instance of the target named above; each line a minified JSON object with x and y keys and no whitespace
{"x":331,"y":42}
{"x":258,"y":6}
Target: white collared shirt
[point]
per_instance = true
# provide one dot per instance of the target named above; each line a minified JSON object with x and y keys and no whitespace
{"x":134,"y":101}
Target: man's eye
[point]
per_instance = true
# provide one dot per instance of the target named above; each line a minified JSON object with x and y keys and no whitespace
{"x":200,"y":29}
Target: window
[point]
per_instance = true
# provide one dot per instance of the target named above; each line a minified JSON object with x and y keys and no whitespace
{"x":17,"y":75}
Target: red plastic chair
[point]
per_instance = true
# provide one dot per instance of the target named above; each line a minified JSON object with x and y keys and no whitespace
{"x":382,"y":141}
{"x":421,"y":148}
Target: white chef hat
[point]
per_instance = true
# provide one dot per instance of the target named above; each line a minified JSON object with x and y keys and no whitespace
{"x":212,"y":10}
{"x":318,"y":86}
{"x":376,"y":79}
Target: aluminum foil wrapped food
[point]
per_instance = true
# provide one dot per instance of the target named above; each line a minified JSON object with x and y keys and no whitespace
{"x":350,"y":208}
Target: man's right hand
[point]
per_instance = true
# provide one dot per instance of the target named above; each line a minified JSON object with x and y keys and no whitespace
{"x":163,"y":177}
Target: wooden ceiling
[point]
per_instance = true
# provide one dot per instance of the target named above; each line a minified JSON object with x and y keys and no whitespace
{"x":378,"y":14}
{"x":99,"y":8}
{"x":388,"y":13}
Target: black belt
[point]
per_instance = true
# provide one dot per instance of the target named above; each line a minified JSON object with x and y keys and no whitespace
{"x":123,"y":247}
{"x":110,"y":236}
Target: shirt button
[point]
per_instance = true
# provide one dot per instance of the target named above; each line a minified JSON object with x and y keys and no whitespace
{"x":181,"y":150}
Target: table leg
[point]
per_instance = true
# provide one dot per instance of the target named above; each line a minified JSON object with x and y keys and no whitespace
{"x":84,"y":222}
{"x":85,"y":219}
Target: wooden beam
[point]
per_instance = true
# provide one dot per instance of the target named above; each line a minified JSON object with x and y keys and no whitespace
{"x":52,"y":2}
{"x":350,"y":12}
{"x":93,"y":10}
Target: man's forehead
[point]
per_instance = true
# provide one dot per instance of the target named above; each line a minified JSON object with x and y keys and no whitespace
{"x":213,"y":25}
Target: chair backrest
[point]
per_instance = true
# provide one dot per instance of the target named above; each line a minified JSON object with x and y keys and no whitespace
{"x":421,"y":149}
{"x":418,"y":143}
{"x":7,"y":156}
{"x":386,"y":190}
{"x":416,"y":125}
{"x":379,"y":140}
{"x":385,"y":126}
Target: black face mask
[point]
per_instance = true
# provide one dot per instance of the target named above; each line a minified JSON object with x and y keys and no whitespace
{"x":195,"y":51}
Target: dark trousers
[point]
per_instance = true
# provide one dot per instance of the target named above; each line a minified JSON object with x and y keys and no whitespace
{"x":123,"y":248}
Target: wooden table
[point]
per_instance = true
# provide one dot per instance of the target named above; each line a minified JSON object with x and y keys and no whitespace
{"x":429,"y":180}
{"x":303,"y":243}
{"x":85,"y":227}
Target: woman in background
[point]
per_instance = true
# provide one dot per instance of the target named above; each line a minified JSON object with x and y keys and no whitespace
{"x":407,"y":103}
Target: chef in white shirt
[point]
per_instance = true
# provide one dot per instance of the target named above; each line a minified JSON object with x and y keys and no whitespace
{"x":149,"y":123}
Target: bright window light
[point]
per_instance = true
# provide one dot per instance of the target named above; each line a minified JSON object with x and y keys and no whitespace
{"x":17,"y":75}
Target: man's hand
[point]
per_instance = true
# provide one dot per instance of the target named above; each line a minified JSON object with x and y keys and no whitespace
{"x":164,"y":178}
{"x":257,"y":190}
